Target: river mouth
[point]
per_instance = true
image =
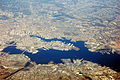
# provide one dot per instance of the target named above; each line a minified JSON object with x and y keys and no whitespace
{"x":56,"y":56}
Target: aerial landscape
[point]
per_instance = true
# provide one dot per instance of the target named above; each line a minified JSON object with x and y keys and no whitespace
{"x":59,"y":39}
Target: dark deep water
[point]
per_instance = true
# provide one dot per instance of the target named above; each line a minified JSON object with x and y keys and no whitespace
{"x":45,"y":56}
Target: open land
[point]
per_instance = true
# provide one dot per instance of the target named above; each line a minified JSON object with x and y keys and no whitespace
{"x":93,"y":21}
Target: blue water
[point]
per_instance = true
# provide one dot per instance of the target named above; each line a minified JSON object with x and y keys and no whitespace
{"x":53,"y":39}
{"x":4,"y":17}
{"x":46,"y":56}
